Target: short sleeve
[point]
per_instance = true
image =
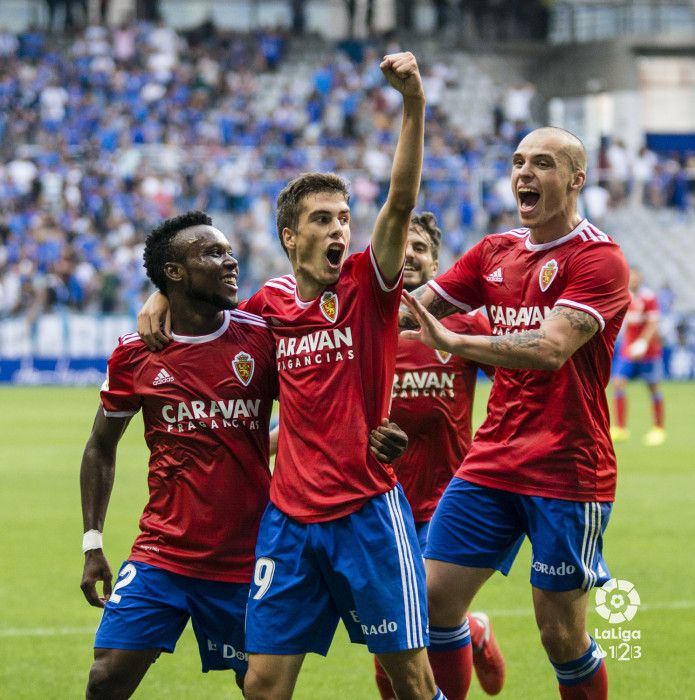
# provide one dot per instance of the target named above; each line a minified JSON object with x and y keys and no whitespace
{"x":460,"y":285}
{"x":254,"y":304}
{"x":651,"y":307}
{"x":118,"y":396}
{"x":597,"y":283}
{"x":385,"y":294}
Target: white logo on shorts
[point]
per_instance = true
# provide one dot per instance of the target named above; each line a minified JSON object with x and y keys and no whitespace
{"x":384,"y":627}
{"x":617,"y":601}
{"x":563,"y":569}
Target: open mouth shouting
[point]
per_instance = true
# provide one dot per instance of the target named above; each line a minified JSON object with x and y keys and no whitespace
{"x":334,"y":255}
{"x":528,"y":199}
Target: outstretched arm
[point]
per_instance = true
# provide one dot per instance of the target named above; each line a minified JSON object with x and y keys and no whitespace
{"x":96,"y":481}
{"x":548,"y":347}
{"x":391,"y":229}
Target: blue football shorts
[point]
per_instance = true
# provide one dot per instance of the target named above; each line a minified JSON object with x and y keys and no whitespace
{"x":365,"y":568}
{"x":422,"y":528}
{"x":483,"y":527}
{"x":651,"y":371}
{"x":149,"y":608}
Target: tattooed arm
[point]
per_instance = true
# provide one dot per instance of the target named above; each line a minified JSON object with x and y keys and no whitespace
{"x":438,"y":307}
{"x":560,"y":335}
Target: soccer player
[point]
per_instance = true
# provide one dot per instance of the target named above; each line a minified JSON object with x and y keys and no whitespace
{"x":542,"y":464}
{"x":640,"y":355}
{"x":337,"y":539}
{"x":432,"y":400}
{"x":206,"y":401}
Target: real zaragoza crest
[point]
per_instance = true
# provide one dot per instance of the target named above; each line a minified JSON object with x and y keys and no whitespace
{"x":243,"y":365}
{"x":547,"y":274}
{"x":329,"y":306}
{"x":443,"y":356}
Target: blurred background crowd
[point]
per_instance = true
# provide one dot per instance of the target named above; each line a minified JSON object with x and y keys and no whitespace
{"x":105,"y":130}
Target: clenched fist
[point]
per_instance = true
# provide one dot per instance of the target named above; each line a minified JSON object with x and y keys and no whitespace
{"x":401,"y":70}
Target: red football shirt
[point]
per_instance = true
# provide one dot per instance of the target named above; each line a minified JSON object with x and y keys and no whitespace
{"x":206,"y":404}
{"x":335,"y":358}
{"x":431,"y":401}
{"x":643,"y":307}
{"x":546,"y":433}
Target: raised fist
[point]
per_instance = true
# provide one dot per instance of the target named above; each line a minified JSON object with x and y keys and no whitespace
{"x":401,"y":70}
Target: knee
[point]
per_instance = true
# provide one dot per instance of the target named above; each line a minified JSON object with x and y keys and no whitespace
{"x":103,"y":682}
{"x":445,"y":609}
{"x":259,"y":685}
{"x":561,"y":642}
{"x":413,"y":685}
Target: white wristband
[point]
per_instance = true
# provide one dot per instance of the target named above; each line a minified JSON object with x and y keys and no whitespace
{"x":92,"y":540}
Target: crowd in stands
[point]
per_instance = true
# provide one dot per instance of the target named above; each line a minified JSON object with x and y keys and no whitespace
{"x":105,"y":132}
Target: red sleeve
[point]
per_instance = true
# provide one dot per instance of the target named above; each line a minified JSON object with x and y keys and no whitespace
{"x":385,"y":293}
{"x":460,"y":285}
{"x":651,"y":306}
{"x":254,"y":305}
{"x":597,"y":282}
{"x":118,"y":396}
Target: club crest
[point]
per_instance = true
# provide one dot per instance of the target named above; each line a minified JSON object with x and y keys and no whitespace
{"x":443,"y":356}
{"x":243,"y":365}
{"x":547,"y":274}
{"x":329,"y":306}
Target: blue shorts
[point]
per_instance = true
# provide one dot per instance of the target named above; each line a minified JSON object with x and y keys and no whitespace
{"x":149,"y":608}
{"x":649,"y":370}
{"x":482,"y":527}
{"x":365,"y":568}
{"x":422,"y":528}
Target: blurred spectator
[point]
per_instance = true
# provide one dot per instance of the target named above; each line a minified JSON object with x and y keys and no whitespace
{"x":105,"y":131}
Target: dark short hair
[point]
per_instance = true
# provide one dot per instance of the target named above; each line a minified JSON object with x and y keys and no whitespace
{"x":159,"y":249}
{"x":289,"y":202}
{"x":427,"y":221}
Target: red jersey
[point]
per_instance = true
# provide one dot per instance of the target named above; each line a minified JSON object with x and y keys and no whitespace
{"x":335,"y":358}
{"x":431,"y":401}
{"x":546,"y":433}
{"x":206,"y":404}
{"x":644,"y":307}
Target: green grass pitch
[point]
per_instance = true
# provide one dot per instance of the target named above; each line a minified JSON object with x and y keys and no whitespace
{"x":46,"y":627}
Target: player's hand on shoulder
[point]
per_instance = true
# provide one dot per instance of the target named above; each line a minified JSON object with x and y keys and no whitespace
{"x":154,"y":322}
{"x":96,"y":568}
{"x":388,"y":442}
{"x":402,"y":72}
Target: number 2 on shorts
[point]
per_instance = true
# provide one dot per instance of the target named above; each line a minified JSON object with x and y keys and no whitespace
{"x":263,"y":576}
{"x":126,"y":575}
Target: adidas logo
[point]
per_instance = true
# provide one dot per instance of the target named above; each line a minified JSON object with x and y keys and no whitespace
{"x":162,"y":378}
{"x":495,"y":276}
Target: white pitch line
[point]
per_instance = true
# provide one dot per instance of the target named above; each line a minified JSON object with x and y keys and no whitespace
{"x":45,"y":631}
{"x":513,"y":612}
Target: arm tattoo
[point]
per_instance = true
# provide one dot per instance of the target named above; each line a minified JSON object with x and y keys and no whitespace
{"x":578,"y":320}
{"x":525,"y":340}
{"x":438,"y":307}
